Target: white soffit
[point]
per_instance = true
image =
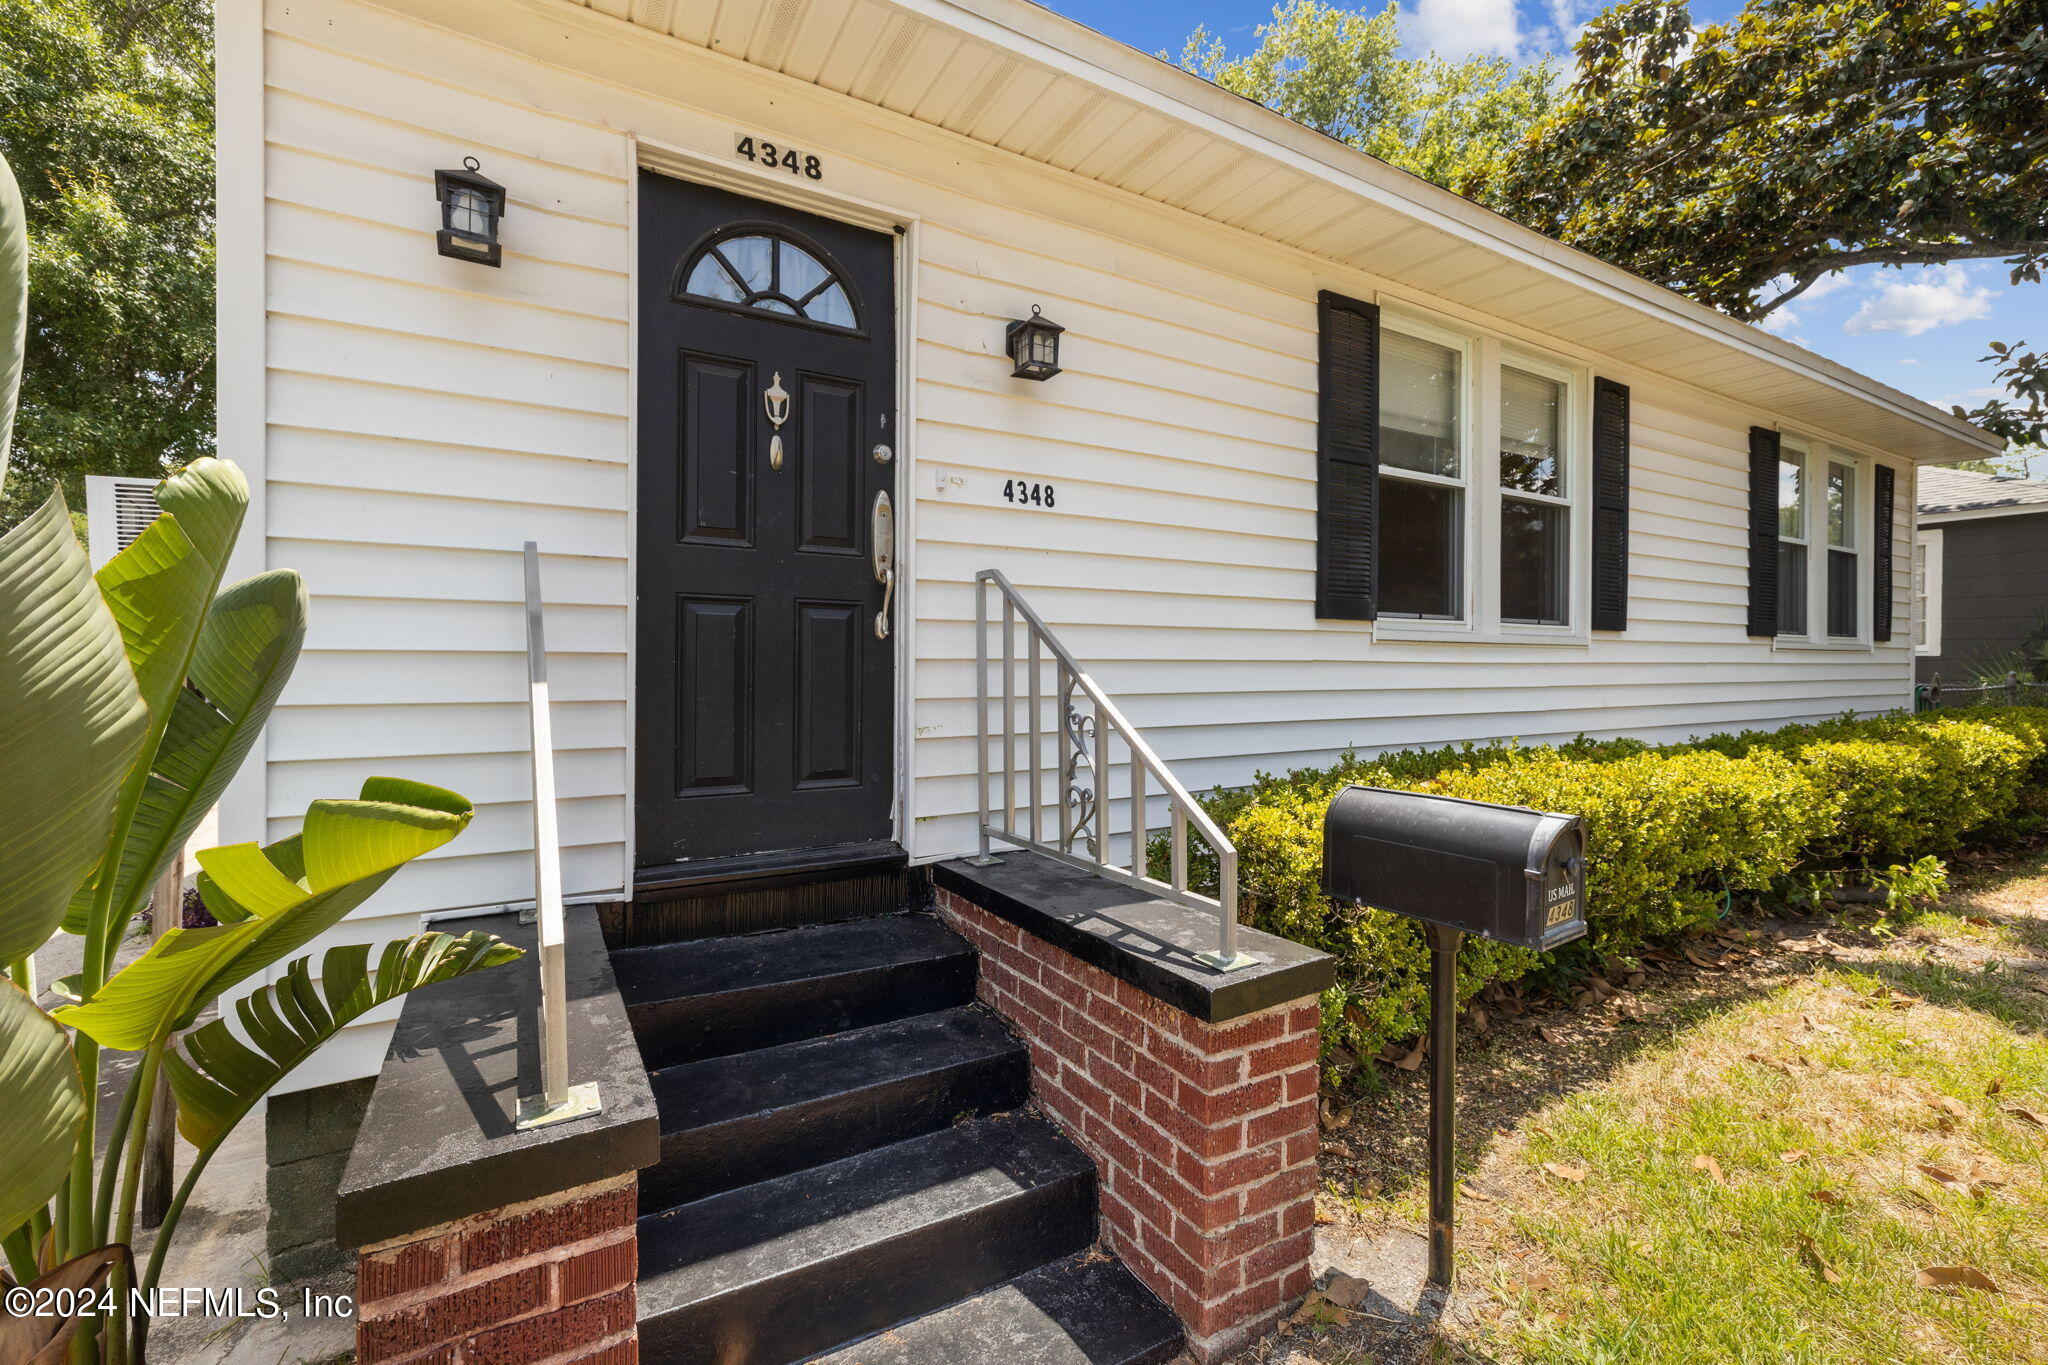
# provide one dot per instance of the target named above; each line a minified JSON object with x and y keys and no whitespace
{"x":1015,"y":75}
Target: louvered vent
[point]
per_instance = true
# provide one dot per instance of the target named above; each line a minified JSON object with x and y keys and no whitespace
{"x":117,"y":510}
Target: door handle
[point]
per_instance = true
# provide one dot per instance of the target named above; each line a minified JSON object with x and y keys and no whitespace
{"x":882,"y":542}
{"x":776,"y":400}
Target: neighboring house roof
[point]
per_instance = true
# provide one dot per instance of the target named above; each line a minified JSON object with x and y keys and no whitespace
{"x":1015,"y":75}
{"x":1945,"y":493}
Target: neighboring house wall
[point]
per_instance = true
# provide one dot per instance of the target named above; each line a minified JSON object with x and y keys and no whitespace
{"x":426,"y":416}
{"x":1994,"y":582}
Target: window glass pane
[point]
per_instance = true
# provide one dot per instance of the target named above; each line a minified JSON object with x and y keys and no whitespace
{"x":1792,"y":496}
{"x":1530,"y":408}
{"x":1842,"y":578}
{"x":1418,"y":405}
{"x":751,"y":258}
{"x":774,"y":306}
{"x":801,"y":271}
{"x":1841,"y":504}
{"x":1533,"y":564}
{"x":710,"y":280}
{"x":1791,"y":589}
{"x":1419,"y":548}
{"x":831,"y":306}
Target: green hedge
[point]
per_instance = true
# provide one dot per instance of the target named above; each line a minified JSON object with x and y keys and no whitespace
{"x":1673,"y":833}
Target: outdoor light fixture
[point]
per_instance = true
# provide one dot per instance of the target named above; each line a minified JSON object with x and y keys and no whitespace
{"x":471,"y":206}
{"x":1034,"y":345}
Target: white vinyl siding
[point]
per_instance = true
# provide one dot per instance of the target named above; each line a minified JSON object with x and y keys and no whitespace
{"x":427,"y":415}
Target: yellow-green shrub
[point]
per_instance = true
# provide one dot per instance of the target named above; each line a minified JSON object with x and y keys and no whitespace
{"x":1671,"y":831}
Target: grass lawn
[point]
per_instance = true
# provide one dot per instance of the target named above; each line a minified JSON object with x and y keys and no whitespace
{"x":1754,"y":1160}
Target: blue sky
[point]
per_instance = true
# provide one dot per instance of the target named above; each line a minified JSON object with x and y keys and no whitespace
{"x":1922,"y":329}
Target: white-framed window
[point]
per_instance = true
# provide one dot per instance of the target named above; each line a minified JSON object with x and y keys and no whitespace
{"x":1927,"y":593}
{"x":1425,"y":472}
{"x":1484,"y":467}
{"x":1536,"y":490}
{"x":1793,"y":508}
{"x":1824,"y":519}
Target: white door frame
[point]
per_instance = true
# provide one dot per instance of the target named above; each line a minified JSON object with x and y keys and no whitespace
{"x":696,"y":168}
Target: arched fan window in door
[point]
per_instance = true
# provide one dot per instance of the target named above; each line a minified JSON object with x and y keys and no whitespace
{"x":760,"y":271}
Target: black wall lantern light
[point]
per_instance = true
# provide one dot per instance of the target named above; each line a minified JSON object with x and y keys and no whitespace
{"x":471,"y":205}
{"x":1034,"y":346}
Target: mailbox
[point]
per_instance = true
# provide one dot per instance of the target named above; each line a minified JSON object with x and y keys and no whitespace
{"x":1506,"y":873}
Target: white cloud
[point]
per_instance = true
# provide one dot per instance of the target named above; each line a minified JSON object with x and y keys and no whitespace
{"x":1819,"y":289}
{"x":1456,"y":27}
{"x":1782,"y":323}
{"x":1908,"y":360}
{"x":1940,"y":295}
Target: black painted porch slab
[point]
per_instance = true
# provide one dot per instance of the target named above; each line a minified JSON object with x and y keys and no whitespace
{"x":777,"y":1271}
{"x":1085,"y":1309}
{"x":1137,"y":937}
{"x":438,"y":1141}
{"x":711,"y":997}
{"x":731,"y":1121}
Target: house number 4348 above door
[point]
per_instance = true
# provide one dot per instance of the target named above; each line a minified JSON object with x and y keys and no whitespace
{"x":775,"y":156}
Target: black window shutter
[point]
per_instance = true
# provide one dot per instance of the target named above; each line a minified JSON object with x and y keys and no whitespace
{"x":1610,"y":505}
{"x":1881,"y":556}
{"x":1347,"y":458}
{"x":1763,"y":531}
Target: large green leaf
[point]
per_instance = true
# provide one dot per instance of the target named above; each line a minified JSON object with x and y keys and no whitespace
{"x":13,"y":306}
{"x":271,"y":902}
{"x":159,"y":590}
{"x":42,"y":1106}
{"x":245,"y":654}
{"x":71,"y":724}
{"x":289,"y":1021}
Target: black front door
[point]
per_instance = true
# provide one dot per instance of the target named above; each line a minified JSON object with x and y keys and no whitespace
{"x":767,"y":430}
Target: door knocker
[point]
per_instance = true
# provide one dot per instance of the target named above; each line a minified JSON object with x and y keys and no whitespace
{"x":776,"y":400}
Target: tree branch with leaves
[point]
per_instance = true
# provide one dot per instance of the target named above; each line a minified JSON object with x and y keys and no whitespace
{"x":1743,"y":162}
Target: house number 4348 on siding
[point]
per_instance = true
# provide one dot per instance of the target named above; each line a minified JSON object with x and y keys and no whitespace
{"x":1027,"y":494}
{"x":775,"y":156}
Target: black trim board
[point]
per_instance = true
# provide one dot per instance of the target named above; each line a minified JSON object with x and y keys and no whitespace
{"x":1138,"y":938}
{"x":438,"y":1141}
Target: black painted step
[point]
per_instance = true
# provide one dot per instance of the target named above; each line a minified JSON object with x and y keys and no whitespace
{"x":779,"y":1270}
{"x":1085,"y":1309}
{"x":718,"y":996}
{"x":730,"y":1121}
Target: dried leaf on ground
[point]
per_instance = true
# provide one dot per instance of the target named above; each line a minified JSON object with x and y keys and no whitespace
{"x":1949,"y":1104}
{"x":1336,"y":1149}
{"x":1994,"y":1085}
{"x":2026,"y":1115}
{"x":1551,"y":1036}
{"x":1810,"y":1249}
{"x":1825,"y":1197}
{"x":1796,"y":1154}
{"x":1703,"y":1162}
{"x":1699,"y":959}
{"x":1413,"y":1059}
{"x":1346,"y":1291}
{"x":1954,"y":1277}
{"x":1947,"y":1179}
{"x":1575,"y":1174}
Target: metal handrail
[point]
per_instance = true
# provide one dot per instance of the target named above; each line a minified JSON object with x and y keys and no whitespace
{"x":558,"y":1100}
{"x":1085,"y":743}
{"x":2013,"y":688}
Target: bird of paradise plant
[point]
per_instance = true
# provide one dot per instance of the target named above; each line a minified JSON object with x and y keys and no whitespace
{"x":128,"y":699}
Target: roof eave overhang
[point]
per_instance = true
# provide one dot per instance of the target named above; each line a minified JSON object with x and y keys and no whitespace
{"x":1028,"y":33}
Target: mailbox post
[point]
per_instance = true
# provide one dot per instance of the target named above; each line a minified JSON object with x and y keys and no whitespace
{"x":1507,"y":873}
